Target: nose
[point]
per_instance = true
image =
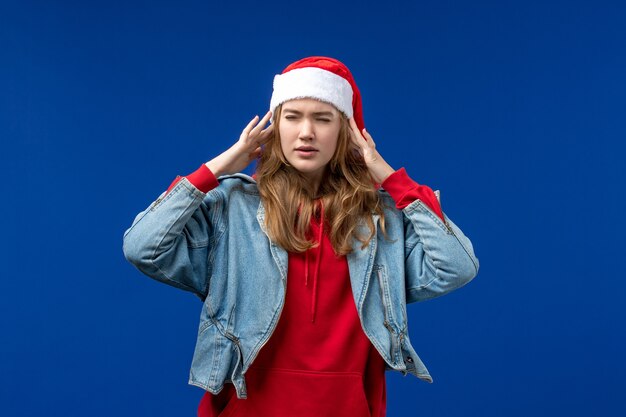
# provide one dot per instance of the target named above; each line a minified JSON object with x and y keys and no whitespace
{"x":306,"y":130}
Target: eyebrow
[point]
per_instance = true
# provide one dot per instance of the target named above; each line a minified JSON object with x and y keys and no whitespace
{"x":317,"y":113}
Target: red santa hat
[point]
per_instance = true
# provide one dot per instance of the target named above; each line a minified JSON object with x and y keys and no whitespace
{"x":322,"y":78}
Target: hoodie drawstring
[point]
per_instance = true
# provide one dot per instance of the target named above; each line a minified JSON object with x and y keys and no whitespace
{"x":320,"y":239}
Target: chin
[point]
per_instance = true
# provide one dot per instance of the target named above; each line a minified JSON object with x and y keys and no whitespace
{"x":305,"y":169}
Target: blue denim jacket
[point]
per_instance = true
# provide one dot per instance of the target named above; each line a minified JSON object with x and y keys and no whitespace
{"x":216,"y":246}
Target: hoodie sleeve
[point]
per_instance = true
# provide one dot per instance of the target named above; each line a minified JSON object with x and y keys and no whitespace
{"x":202,"y":178}
{"x":404,"y":191}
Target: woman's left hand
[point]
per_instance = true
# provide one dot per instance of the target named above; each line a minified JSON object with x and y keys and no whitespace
{"x":364,"y":143}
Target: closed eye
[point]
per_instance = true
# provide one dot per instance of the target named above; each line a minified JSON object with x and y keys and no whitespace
{"x":295,"y":117}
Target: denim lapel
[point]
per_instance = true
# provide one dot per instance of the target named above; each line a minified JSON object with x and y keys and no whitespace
{"x":361,"y":262}
{"x":279,"y":254}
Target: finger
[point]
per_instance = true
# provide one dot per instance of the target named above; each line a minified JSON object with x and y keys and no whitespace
{"x":264,"y":121}
{"x":268,"y":130}
{"x":355,"y":136}
{"x":265,"y":135}
{"x":261,"y":124}
{"x":254,"y":154}
{"x":250,"y":125}
{"x":263,"y":140}
{"x":369,"y":137}
{"x":355,"y":129}
{"x":267,"y":116}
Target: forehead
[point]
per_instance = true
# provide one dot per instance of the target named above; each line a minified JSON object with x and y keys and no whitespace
{"x":308,"y":105}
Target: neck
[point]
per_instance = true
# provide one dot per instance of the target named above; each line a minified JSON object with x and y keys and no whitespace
{"x":314,"y":181}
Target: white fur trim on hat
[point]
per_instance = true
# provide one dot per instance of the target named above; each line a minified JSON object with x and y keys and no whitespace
{"x":315,"y":83}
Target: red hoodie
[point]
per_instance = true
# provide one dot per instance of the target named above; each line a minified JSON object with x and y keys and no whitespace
{"x":318,"y":361}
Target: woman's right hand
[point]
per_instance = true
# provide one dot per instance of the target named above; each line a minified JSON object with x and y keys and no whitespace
{"x":245,"y":150}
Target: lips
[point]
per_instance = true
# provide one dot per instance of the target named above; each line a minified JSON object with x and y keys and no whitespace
{"x":306,"y":152}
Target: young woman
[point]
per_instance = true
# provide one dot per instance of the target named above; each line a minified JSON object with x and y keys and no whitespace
{"x":305,"y":269}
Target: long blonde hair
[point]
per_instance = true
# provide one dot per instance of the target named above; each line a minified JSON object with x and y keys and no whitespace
{"x":347,"y":192}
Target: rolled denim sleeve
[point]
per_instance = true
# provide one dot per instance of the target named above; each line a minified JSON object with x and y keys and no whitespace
{"x":170,"y":240}
{"x":439,"y":257}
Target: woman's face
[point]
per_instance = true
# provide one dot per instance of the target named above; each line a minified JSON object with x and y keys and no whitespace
{"x":309,"y":130}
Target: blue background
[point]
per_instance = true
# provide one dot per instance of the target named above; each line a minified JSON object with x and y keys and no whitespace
{"x":514,"y":110}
